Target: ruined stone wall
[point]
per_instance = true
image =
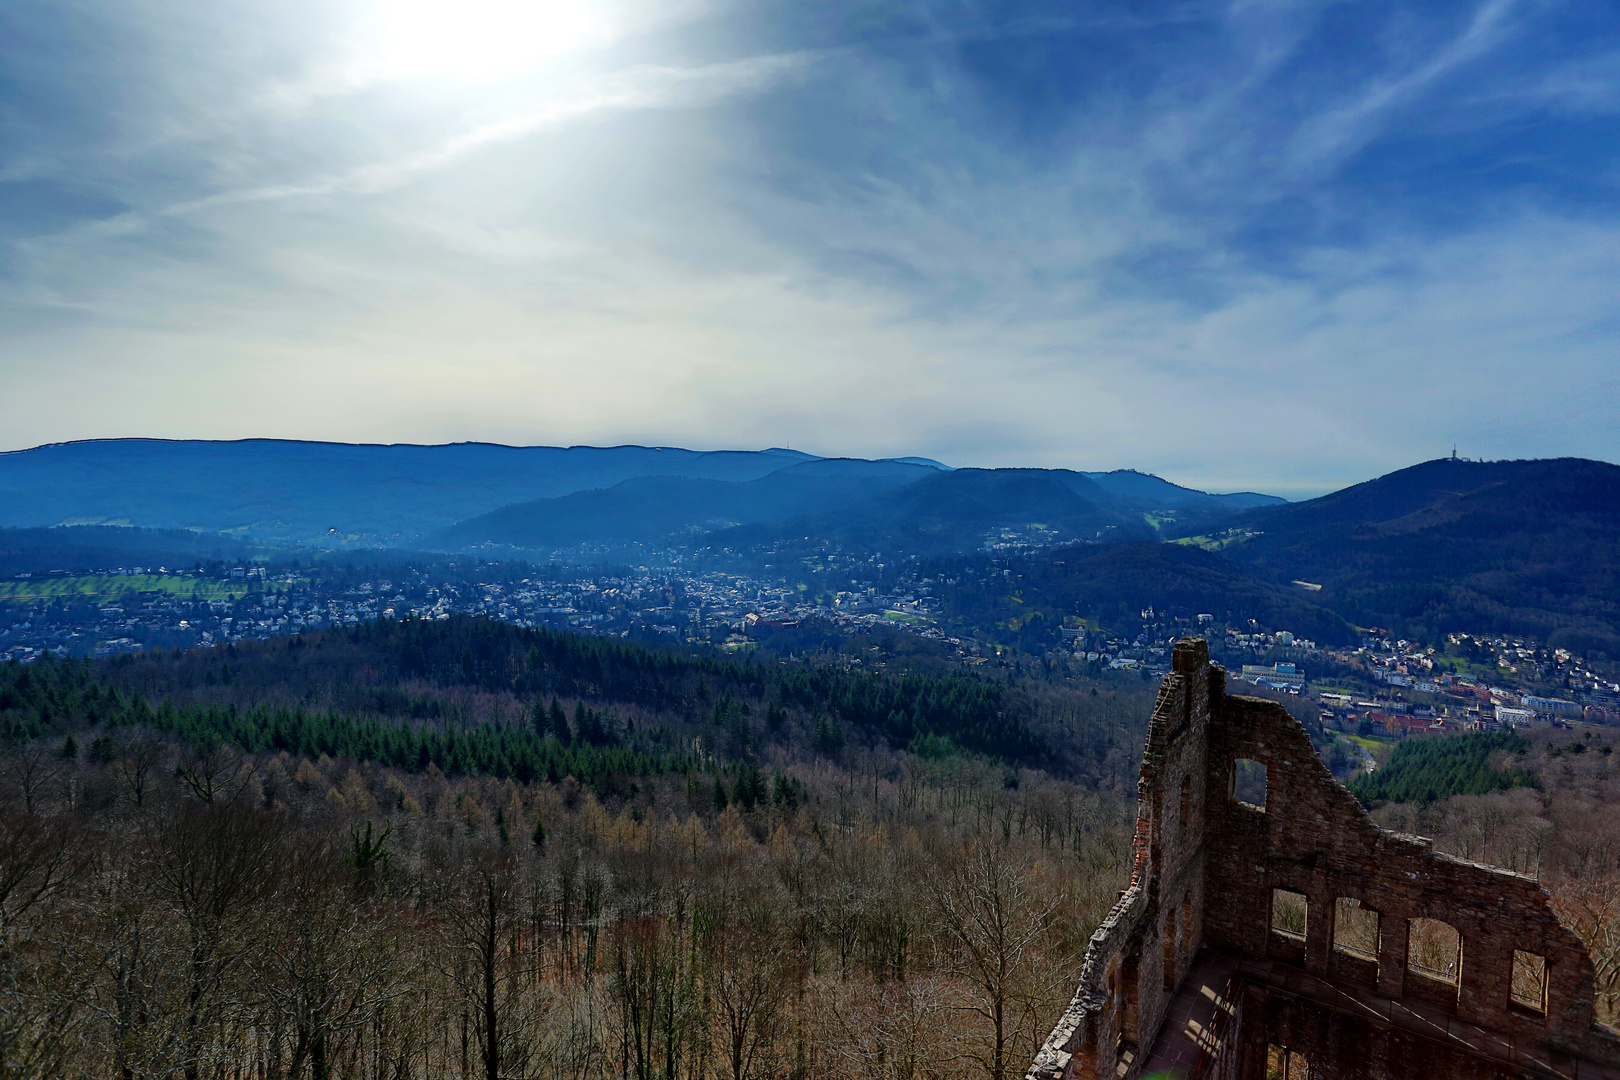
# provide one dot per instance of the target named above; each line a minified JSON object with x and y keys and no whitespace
{"x":1314,"y":838}
{"x":1138,"y":955}
{"x":1206,"y":867}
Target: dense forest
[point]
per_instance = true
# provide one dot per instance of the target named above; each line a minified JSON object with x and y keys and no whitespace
{"x":460,"y":849}
{"x":1424,"y":770}
{"x":472,"y":696}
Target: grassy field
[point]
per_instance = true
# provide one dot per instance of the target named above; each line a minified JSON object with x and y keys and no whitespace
{"x":103,"y":588}
{"x":1216,"y":543}
{"x":1380,"y":749}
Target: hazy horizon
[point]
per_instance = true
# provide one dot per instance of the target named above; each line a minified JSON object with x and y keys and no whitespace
{"x":1292,"y":493}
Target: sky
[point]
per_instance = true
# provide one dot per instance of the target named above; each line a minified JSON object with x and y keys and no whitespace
{"x":1254,"y":245}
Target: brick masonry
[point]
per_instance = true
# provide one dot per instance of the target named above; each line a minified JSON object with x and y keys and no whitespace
{"x":1202,"y":884}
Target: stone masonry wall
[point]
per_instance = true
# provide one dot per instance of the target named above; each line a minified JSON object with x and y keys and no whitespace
{"x":1206,"y":865}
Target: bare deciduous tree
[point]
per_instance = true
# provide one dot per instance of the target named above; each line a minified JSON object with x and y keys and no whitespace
{"x":994,"y":914}
{"x":216,"y":866}
{"x":751,"y":977}
{"x":333,"y":959}
{"x":142,"y":758}
{"x":32,"y":767}
{"x":42,"y":991}
{"x":212,"y":772}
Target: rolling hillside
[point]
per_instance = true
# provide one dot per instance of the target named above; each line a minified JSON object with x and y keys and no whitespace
{"x":1110,"y":583}
{"x":881,"y":505}
{"x":955,"y":511}
{"x":105,"y":547}
{"x":655,"y":507}
{"x":538,"y":497}
{"x":1524,"y":547}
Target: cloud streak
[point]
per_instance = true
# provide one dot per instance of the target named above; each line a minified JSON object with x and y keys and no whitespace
{"x":1333,"y":135}
{"x":646,"y":87}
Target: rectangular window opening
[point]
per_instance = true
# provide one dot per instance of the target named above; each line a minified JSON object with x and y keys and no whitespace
{"x":1288,"y":913}
{"x":1355,"y":928}
{"x":1285,"y":1064}
{"x":1186,"y":800}
{"x":1529,"y":982}
{"x":1434,"y":949}
{"x":1249,"y":782}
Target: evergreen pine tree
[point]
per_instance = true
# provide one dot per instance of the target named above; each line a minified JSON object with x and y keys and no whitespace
{"x":784,"y":792}
{"x":559,"y":722}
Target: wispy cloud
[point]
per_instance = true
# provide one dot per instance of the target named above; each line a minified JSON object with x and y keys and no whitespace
{"x":641,"y":88}
{"x":1342,"y":130}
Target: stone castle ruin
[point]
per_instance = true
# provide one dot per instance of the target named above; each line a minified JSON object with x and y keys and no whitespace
{"x":1284,"y":936}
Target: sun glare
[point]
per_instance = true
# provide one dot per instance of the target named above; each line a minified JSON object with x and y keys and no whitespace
{"x":476,"y":38}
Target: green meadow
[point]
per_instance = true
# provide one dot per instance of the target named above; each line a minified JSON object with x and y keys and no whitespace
{"x":105,"y":588}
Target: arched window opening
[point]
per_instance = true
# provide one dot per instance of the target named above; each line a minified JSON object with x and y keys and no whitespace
{"x":1288,"y":913}
{"x":1434,"y":950}
{"x":1249,"y":782}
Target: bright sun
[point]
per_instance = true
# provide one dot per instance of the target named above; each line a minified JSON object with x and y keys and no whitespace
{"x":405,"y":38}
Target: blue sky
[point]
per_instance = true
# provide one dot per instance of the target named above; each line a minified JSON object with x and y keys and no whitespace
{"x":1283,"y":246}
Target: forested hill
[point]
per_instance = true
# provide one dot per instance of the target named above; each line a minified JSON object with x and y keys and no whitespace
{"x":473,"y":696}
{"x":1521,"y":547}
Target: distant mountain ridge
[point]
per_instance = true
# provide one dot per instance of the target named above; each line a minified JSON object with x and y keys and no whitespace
{"x":1519,"y":547}
{"x":464,"y":495}
{"x":294,"y":491}
{"x":1152,"y":490}
{"x":860,"y":504}
{"x":651,"y":508}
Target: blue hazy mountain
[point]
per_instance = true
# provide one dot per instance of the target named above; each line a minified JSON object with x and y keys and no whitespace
{"x":960,"y":510}
{"x":285,"y":490}
{"x":655,"y":508}
{"x":904,"y":505}
{"x":467,"y":495}
{"x":1153,"y":491}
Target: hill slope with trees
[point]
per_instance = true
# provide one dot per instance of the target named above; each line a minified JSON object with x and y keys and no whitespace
{"x":1521,"y":547}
